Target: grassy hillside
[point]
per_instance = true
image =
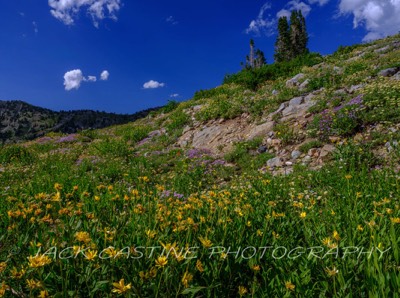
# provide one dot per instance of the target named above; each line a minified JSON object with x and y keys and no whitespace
{"x":139,"y":210}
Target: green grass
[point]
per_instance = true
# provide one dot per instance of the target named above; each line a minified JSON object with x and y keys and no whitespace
{"x":302,"y":235}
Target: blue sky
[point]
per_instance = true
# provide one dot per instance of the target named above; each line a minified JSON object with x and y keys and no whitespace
{"x":125,"y":55}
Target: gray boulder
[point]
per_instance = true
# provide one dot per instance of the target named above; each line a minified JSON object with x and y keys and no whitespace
{"x":293,"y":82}
{"x":389,"y":72}
{"x":274,"y":162}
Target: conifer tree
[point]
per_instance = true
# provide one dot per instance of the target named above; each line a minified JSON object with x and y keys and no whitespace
{"x":283,"y":44}
{"x":298,"y":34}
{"x":292,"y":40}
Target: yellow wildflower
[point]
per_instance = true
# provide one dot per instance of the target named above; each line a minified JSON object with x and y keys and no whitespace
{"x":276,"y":235}
{"x":39,"y":261}
{"x":91,"y":255}
{"x":120,"y":287}
{"x":303,"y":214}
{"x":44,"y":294}
{"x":199,"y":266}
{"x":336,"y":235}
{"x":289,"y":286}
{"x":17,"y":274}
{"x":111,"y":252}
{"x":83,"y":237}
{"x":150,"y":234}
{"x":3,"y":266}
{"x":34,"y":284}
{"x":256,"y":268}
{"x":360,"y":228}
{"x":242,"y":291}
{"x":395,"y":220}
{"x":331,"y":272}
{"x":327,"y":241}
{"x":348,"y":177}
{"x":57,"y":186}
{"x":161,"y":261}
{"x":186,"y":279}
{"x":205,"y":242}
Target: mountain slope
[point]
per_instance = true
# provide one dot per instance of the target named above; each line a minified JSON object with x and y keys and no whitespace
{"x":22,"y":121}
{"x":288,"y":189}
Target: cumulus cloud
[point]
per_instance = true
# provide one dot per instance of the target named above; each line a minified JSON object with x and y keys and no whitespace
{"x":73,"y":79}
{"x":91,"y":79}
{"x":175,"y":95}
{"x":380,"y":18}
{"x":67,"y":10}
{"x":262,"y":24}
{"x":295,"y":5}
{"x":104,"y":75}
{"x":153,"y":85}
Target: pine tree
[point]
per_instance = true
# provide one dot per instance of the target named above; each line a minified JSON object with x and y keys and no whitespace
{"x":292,"y":40}
{"x":304,"y":35}
{"x":283,"y":44}
{"x":298,"y":34}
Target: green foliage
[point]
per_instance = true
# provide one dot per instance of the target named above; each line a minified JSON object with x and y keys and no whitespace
{"x":132,"y":133}
{"x":285,"y":133}
{"x":344,"y":120}
{"x":319,"y":225}
{"x":90,"y":133}
{"x":210,"y":93}
{"x":381,"y":99}
{"x":355,"y":67}
{"x":16,"y":154}
{"x":320,"y":106}
{"x":355,"y":157}
{"x":170,"y":106}
{"x":329,"y":79}
{"x":244,"y":155}
{"x":221,"y":106}
{"x":292,"y":39}
{"x":115,"y":147}
{"x":344,"y":50}
{"x":312,"y":144}
{"x":177,"y":120}
{"x":253,"y":78}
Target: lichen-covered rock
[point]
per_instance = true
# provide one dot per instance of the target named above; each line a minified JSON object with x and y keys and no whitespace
{"x":294,"y":82}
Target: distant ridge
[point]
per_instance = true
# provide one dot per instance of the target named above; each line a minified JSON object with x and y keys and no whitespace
{"x":22,"y":121}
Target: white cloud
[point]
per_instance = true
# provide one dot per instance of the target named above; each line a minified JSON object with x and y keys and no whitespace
{"x":73,"y":79}
{"x":295,"y":5}
{"x":104,"y":75}
{"x":380,"y":18}
{"x":175,"y":95}
{"x":153,"y":85}
{"x":320,"y":2}
{"x":171,"y":20}
{"x":262,"y":24}
{"x":67,"y":10}
{"x":91,"y":79}
{"x":267,"y":25}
